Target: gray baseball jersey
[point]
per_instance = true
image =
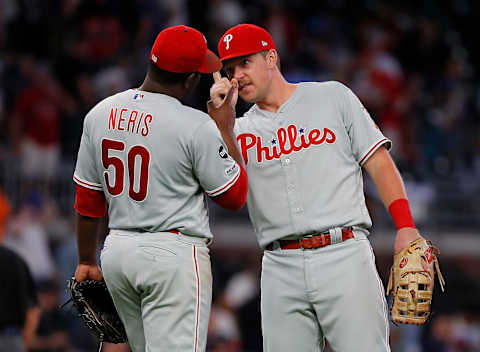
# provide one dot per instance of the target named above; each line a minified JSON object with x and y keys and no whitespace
{"x":304,"y":161}
{"x":153,"y":158}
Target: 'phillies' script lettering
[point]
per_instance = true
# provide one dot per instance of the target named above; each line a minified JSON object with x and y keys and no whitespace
{"x":286,"y":142}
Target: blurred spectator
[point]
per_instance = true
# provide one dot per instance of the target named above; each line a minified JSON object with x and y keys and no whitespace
{"x":283,"y":26}
{"x":380,"y":82}
{"x":110,"y":81}
{"x":226,"y":13}
{"x":440,"y":338}
{"x":58,"y":225}
{"x":71,"y":124}
{"x":242,"y":297}
{"x":4,"y":212}
{"x":406,"y":338}
{"x":18,"y":299}
{"x":176,"y":12}
{"x":51,"y":334}
{"x":66,"y":260}
{"x":223,"y":331}
{"x":101,"y":33}
{"x":35,"y":127}
{"x":26,"y":235}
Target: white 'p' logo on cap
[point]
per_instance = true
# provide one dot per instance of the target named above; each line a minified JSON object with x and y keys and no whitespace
{"x":227,"y":40}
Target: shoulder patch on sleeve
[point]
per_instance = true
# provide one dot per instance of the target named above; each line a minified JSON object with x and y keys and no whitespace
{"x":222,"y":152}
{"x":231,"y":170}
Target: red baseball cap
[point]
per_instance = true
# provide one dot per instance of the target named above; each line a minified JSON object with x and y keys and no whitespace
{"x":183,"y":49}
{"x":244,"y":39}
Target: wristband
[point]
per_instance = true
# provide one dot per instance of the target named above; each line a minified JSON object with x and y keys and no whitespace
{"x":400,"y":212}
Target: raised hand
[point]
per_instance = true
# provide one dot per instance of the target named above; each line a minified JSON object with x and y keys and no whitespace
{"x":223,"y":112}
{"x":220,"y":88}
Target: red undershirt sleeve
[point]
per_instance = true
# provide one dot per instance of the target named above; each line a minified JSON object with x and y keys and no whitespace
{"x":90,"y":203}
{"x":235,"y":197}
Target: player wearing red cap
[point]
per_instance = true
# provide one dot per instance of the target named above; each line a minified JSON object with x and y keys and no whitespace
{"x":150,"y":160}
{"x":304,"y":146}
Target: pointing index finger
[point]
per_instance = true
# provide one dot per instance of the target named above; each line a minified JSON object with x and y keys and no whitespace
{"x":217,"y":76}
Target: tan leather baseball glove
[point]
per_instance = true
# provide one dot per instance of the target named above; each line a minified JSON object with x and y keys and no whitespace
{"x":411,"y":281}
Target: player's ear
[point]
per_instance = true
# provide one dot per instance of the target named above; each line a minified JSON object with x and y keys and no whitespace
{"x":192,"y":80}
{"x":271,"y":57}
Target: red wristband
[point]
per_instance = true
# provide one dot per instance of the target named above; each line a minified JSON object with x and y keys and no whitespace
{"x":400,"y":212}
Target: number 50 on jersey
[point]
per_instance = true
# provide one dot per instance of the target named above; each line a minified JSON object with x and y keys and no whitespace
{"x":135,"y":161}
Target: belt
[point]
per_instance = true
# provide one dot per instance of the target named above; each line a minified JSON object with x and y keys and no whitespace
{"x":129,"y":231}
{"x":315,"y":241}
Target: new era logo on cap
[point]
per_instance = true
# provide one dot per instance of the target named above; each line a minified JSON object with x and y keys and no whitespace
{"x":244,"y":39}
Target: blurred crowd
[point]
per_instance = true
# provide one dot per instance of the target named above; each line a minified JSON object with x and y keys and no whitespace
{"x":413,"y":65}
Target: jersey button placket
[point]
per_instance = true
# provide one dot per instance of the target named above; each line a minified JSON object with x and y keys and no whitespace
{"x":292,"y":191}
{"x":290,"y":188}
{"x":297,"y":209}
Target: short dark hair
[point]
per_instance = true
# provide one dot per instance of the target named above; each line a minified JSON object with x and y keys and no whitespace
{"x":166,"y":77}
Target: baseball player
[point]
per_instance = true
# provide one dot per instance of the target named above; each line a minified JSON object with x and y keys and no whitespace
{"x":149,"y":160}
{"x":304,"y":146}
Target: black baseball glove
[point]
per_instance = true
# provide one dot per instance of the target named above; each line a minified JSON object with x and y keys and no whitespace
{"x":95,"y":307}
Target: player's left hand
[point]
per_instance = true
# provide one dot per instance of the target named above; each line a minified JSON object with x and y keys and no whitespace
{"x":404,"y":237}
{"x":88,"y":272}
{"x":411,"y":281}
